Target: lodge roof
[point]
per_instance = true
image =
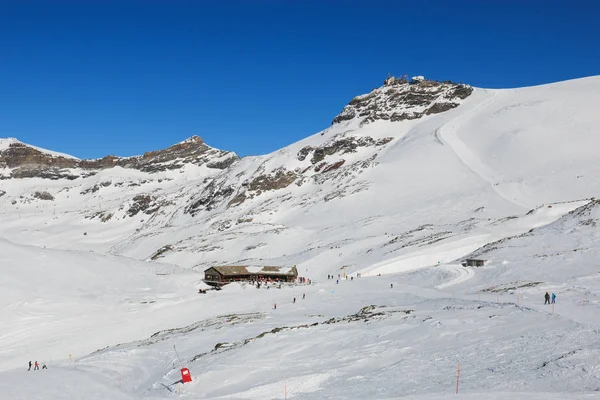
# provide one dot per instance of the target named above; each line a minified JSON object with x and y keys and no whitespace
{"x":235,"y":270}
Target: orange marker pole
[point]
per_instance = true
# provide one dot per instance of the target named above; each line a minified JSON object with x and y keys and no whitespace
{"x":457,"y":377}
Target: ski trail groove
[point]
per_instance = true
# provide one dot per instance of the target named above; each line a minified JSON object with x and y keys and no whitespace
{"x":448,"y":134}
{"x":463,"y":275}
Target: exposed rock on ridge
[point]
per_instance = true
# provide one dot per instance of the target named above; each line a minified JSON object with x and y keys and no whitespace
{"x":400,"y":100}
{"x":28,"y":162}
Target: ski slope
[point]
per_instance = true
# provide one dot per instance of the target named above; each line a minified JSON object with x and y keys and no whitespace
{"x":507,"y":176}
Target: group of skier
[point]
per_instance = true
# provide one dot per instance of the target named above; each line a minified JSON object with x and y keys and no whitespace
{"x":547,"y":298}
{"x":36,"y":366}
{"x":293,"y":301}
{"x":337,"y":281}
{"x":303,"y":297}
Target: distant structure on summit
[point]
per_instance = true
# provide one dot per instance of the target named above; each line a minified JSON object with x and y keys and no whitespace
{"x":391,"y":80}
{"x":418,"y":78}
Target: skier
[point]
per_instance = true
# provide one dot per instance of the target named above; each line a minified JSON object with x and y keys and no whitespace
{"x":29,"y":366}
{"x":37,"y":366}
{"x":44,"y":366}
{"x":553,"y":298}
{"x":391,"y":285}
{"x":547,"y":297}
{"x":294,"y":300}
{"x":337,"y":281}
{"x":303,"y":296}
{"x":275,"y":306}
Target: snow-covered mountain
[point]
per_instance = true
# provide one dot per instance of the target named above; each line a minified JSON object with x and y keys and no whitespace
{"x":457,"y":161}
{"x":407,"y":181}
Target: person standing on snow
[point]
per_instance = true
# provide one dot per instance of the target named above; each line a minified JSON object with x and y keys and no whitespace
{"x":29,"y":366}
{"x":553,"y":298}
{"x":294,"y":300}
{"x":547,"y":297}
{"x":37,"y":366}
{"x":303,"y":296}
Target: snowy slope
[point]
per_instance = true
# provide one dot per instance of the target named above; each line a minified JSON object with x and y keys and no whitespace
{"x":60,"y":302}
{"x":356,"y":339}
{"x":408,"y":181}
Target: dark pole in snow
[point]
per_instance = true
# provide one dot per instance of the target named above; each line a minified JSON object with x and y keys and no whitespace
{"x":180,"y":364}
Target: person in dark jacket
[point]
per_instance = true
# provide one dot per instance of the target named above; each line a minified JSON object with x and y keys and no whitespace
{"x":547,"y":297}
{"x":30,"y":364}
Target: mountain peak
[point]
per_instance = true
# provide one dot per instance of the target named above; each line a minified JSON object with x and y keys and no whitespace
{"x":13,"y":144}
{"x":6,"y":142}
{"x":26,"y":161}
{"x":193,"y":139}
{"x":400,"y":99}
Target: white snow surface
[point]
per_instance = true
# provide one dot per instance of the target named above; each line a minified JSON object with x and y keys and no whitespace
{"x":101,"y":293}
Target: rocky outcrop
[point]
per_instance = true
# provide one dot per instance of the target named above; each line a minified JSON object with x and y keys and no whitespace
{"x":43,"y":196}
{"x":46,"y":173}
{"x":96,"y":187}
{"x":339,"y":146}
{"x":280,"y":179}
{"x":400,"y":100}
{"x":212,"y":195}
{"x":143,"y":203}
{"x":19,"y":155}
{"x":191,"y":151}
{"x":28,"y":162}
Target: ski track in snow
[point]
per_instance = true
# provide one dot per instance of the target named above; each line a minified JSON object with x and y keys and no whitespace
{"x":463,"y":275}
{"x":448,"y":134}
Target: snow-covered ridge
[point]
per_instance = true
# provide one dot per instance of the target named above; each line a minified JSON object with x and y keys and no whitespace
{"x":25,"y":161}
{"x":477,"y":156}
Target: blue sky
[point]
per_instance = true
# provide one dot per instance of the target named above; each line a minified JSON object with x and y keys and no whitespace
{"x":92,"y":78}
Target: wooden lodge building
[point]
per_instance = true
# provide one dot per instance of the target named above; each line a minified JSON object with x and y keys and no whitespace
{"x":221,"y":275}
